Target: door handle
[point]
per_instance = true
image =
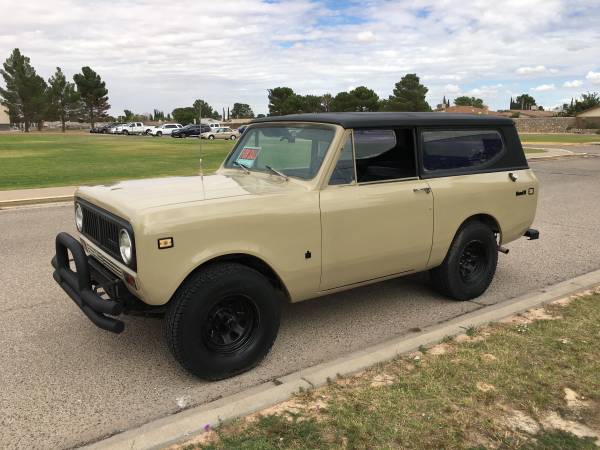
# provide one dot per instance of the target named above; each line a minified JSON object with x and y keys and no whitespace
{"x":427,"y":190}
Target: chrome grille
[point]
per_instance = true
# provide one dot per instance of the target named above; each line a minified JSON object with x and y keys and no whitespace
{"x":106,"y":262}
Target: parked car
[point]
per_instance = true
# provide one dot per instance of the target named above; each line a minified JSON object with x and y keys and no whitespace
{"x":117,"y":128}
{"x":303,"y":206}
{"x":105,"y":128}
{"x":133,"y":128}
{"x":221,"y":133}
{"x":190,"y":130}
{"x":165,"y":129}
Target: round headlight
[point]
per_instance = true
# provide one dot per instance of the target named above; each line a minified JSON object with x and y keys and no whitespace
{"x":78,"y":217}
{"x":125,"y":246}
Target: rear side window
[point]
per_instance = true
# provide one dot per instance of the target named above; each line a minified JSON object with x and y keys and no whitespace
{"x":460,"y":149}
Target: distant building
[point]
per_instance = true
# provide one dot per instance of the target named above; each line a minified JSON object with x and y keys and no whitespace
{"x":590,"y":118}
{"x":592,"y":112}
{"x":465,"y":109}
{"x":4,"y":119}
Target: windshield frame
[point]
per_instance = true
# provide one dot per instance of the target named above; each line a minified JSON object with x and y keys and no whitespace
{"x":336,"y":129}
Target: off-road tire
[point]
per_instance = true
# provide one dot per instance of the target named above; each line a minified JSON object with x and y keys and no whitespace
{"x":191,"y":309}
{"x":451,"y":278}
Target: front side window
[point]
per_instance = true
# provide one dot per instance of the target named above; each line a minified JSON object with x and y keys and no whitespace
{"x":344,"y":168}
{"x":460,"y":149}
{"x":295,"y":150}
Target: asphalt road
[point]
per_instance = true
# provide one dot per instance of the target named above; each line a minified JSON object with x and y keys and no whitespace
{"x":64,"y":381}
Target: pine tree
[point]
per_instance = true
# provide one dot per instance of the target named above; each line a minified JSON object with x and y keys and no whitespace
{"x":25,"y":92}
{"x":93,"y":93}
{"x":63,"y":99}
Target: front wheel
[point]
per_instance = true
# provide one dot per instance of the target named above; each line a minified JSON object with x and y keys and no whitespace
{"x":125,"y":132}
{"x":232,"y":138}
{"x":223,"y":321}
{"x":159,"y":133}
{"x":470,"y":264}
{"x":211,"y":137}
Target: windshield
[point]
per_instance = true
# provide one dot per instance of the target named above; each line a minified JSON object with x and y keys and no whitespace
{"x":296,"y":151}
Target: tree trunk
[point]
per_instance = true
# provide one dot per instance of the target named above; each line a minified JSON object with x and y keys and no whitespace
{"x":63,"y":123}
{"x":91,"y":118}
{"x":26,"y":126}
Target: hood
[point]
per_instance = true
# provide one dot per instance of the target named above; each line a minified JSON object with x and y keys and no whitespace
{"x":128,"y":197}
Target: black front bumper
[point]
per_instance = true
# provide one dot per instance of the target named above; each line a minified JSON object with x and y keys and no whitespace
{"x":83,"y":284}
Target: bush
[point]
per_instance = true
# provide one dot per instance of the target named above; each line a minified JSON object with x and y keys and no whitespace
{"x":597,"y":131}
{"x":515,"y":115}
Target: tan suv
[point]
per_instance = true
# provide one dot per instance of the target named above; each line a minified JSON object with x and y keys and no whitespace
{"x":303,"y":206}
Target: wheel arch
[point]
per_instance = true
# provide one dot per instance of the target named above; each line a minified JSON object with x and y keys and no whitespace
{"x":247,"y":260}
{"x":486,"y":219}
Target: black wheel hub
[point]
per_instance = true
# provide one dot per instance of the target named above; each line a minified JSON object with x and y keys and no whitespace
{"x":230,"y":325}
{"x":472,"y":261}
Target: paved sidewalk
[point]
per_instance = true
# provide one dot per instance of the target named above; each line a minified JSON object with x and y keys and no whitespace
{"x":35,"y":196}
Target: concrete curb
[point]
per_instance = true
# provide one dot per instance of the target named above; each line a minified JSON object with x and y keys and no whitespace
{"x":35,"y":201}
{"x":552,"y":153}
{"x":185,"y":425}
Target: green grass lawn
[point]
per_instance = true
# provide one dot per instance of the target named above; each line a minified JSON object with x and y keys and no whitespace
{"x":517,"y":385}
{"x":49,"y":159}
{"x":55,"y":159}
{"x":561,"y":138}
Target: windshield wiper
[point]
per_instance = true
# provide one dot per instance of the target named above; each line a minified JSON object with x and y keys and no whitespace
{"x":277,"y":172}
{"x":242,"y":166}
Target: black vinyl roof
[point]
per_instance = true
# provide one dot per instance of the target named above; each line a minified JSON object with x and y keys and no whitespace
{"x":382,"y":119}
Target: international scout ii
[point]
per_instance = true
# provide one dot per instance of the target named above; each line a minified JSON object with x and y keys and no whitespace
{"x":303,"y":206}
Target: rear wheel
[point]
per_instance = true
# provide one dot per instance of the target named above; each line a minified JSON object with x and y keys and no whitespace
{"x":159,"y":133}
{"x":470,"y":264}
{"x":125,"y":132}
{"x":211,"y":137}
{"x":223,"y":321}
{"x":232,"y":138}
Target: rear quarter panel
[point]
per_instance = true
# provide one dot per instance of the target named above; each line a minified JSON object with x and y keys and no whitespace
{"x":457,"y":198}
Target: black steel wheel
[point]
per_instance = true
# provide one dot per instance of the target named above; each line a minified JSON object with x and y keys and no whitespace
{"x":223,"y":320}
{"x":470,"y":263}
{"x":230,"y":324}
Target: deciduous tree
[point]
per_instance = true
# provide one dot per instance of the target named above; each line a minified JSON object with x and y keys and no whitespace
{"x":465,"y":100}
{"x":241,"y":111}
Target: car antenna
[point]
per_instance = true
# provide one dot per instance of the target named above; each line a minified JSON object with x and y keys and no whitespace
{"x":200,"y":162}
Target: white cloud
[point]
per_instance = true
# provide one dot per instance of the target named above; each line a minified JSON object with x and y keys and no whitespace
{"x":572,"y":84}
{"x":593,"y":77}
{"x":365,"y":36}
{"x":536,"y":70}
{"x":451,"y":88}
{"x":544,"y":88}
{"x":151,"y":59}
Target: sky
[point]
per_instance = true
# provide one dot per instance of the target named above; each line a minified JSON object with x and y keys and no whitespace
{"x":161,"y":54}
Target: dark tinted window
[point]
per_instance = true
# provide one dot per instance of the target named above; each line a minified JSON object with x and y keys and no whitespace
{"x":384,"y":154}
{"x":460,"y":149}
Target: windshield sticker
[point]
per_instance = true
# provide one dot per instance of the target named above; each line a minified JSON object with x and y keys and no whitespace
{"x":248,"y":156}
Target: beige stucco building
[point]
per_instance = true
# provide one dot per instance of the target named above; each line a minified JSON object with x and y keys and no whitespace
{"x":4,"y":120}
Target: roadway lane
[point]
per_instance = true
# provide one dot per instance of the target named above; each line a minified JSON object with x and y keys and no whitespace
{"x":65,"y":382}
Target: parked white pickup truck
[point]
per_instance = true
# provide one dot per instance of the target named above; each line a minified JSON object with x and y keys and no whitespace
{"x":134,"y":128}
{"x":165,"y":129}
